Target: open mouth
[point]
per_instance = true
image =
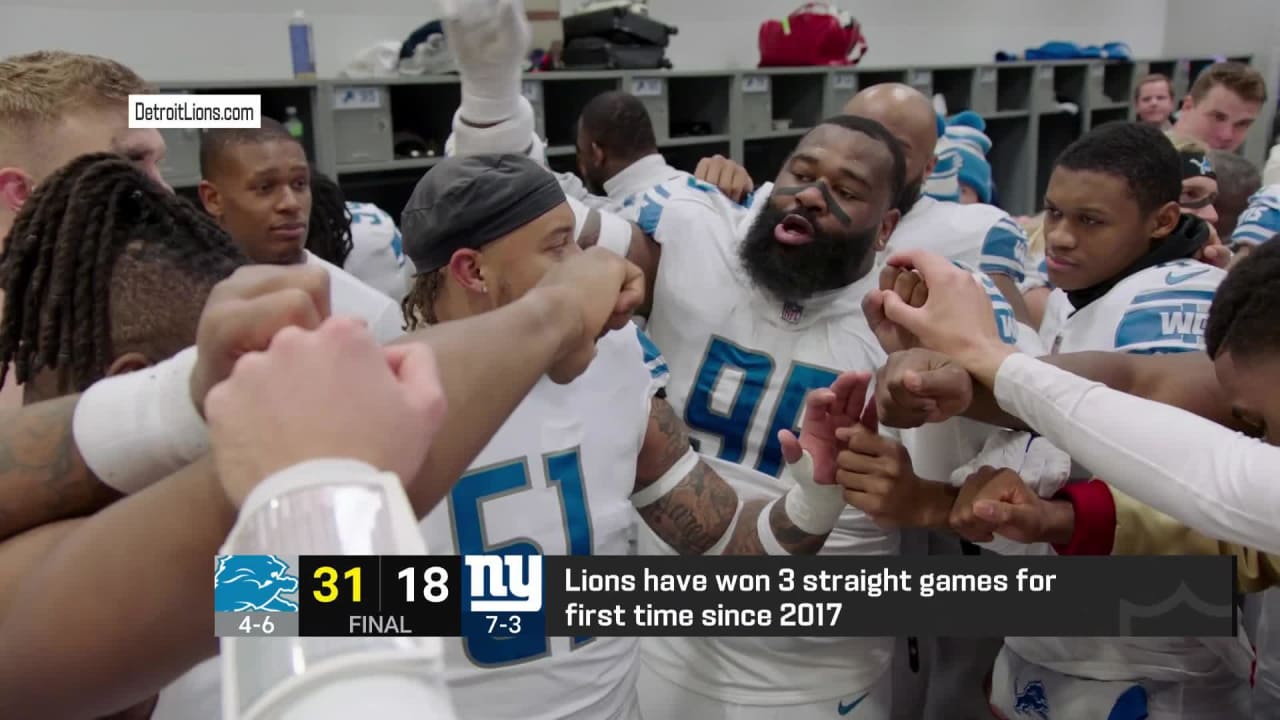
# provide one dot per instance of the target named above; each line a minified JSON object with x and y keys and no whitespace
{"x":793,"y":230}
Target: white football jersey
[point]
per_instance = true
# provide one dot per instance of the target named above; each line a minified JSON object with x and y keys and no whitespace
{"x":348,"y":296}
{"x":377,"y":253}
{"x":557,"y":478}
{"x":741,"y":364}
{"x":1162,"y":309}
{"x":1260,"y":221}
{"x":980,"y":236}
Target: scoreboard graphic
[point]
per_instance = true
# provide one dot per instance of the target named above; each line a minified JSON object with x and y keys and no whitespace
{"x":355,"y":595}
{"x":505,"y":606}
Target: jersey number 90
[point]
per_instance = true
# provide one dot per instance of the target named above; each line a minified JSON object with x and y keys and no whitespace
{"x":735,"y":426}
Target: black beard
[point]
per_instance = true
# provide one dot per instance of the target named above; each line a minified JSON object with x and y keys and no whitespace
{"x":795,"y":273}
{"x":910,"y":194}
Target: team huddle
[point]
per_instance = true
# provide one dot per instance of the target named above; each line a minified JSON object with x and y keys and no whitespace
{"x":739,"y":413}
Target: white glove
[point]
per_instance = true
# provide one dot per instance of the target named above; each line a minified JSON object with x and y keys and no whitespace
{"x":489,"y":40}
{"x":1043,"y":467}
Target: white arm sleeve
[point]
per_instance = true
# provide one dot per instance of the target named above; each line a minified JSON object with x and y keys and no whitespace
{"x":1213,"y":479}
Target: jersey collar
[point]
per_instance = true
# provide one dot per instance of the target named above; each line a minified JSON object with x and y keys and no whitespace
{"x":639,"y":176}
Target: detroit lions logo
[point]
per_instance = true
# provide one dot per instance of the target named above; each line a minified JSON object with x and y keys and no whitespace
{"x":253,"y":583}
{"x":1202,"y":164}
{"x":1032,"y":701}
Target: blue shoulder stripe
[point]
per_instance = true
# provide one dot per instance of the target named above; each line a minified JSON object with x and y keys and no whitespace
{"x":653,"y":358}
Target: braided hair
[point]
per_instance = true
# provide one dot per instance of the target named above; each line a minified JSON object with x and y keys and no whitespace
{"x":329,"y":231}
{"x":419,"y":305}
{"x":63,"y":254}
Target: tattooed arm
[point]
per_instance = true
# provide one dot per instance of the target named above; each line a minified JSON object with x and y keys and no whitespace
{"x":42,"y":476}
{"x":695,"y":515}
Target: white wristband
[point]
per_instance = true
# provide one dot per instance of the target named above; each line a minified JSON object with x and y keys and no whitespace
{"x":615,"y":233}
{"x":515,"y":135}
{"x":135,"y":429}
{"x":764,"y":530}
{"x":813,"y":508}
{"x":668,"y":482}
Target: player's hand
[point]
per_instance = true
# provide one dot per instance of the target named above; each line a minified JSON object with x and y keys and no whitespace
{"x":910,"y":288}
{"x":916,"y":387}
{"x":729,"y":176}
{"x":877,"y":475}
{"x":486,"y":34}
{"x":332,"y":392}
{"x":998,"y":502}
{"x":1214,"y":252}
{"x":826,"y":411}
{"x":596,"y":291}
{"x":956,"y":318}
{"x":247,"y":309}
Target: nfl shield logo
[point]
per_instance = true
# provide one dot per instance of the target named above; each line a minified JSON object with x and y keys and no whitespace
{"x":791,"y":312}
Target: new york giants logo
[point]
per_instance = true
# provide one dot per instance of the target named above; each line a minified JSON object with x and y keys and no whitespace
{"x":505,"y":583}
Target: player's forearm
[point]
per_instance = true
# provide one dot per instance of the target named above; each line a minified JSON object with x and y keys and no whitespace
{"x":935,"y":501}
{"x":42,"y":476}
{"x":747,"y":538}
{"x":487,"y":364}
{"x":1183,"y":380}
{"x":123,"y":604}
{"x":22,"y":554}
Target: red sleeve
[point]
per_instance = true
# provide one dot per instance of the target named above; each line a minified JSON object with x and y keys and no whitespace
{"x":1095,"y":518}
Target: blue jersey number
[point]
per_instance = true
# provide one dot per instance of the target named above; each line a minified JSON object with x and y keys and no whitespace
{"x":564,"y":473}
{"x":734,"y":427}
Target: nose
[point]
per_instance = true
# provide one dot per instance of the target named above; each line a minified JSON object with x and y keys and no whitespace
{"x":811,"y":198}
{"x":1057,"y":237}
{"x":288,"y":201}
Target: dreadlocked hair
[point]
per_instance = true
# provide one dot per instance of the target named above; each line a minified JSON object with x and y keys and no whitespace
{"x":419,"y":305}
{"x":329,"y":233}
{"x":62,"y":252}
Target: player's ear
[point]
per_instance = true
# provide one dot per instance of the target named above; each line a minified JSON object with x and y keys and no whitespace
{"x":467,"y":271}
{"x":127,"y":363}
{"x":597,"y":155}
{"x":888,"y":224}
{"x":1164,"y":220}
{"x":15,"y":187}
{"x":211,"y":199}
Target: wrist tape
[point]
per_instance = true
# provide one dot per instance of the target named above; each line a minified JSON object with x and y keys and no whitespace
{"x":135,"y":429}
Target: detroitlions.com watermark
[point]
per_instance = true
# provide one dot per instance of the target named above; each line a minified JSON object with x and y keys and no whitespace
{"x":195,"y":111}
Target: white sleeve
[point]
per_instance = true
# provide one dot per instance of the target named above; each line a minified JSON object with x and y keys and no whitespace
{"x":390,"y":324}
{"x":1208,"y":477}
{"x":1271,"y":172}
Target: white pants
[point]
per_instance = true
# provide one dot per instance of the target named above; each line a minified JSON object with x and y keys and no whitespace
{"x":664,"y":700}
{"x":1021,"y":689}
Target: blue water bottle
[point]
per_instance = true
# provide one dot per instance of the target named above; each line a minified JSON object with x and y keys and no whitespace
{"x":301,"y":48}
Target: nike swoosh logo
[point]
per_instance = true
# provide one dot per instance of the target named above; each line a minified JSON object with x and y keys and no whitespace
{"x":1175,"y":278}
{"x":846,"y":709}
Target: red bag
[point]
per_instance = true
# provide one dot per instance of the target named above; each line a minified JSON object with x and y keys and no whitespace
{"x":816,"y":34}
